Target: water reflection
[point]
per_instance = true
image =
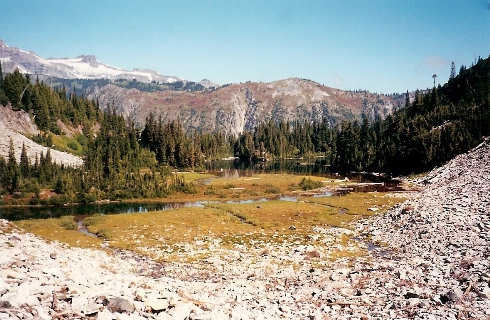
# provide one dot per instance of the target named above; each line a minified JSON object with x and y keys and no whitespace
{"x":20,"y":213}
{"x":240,"y":168}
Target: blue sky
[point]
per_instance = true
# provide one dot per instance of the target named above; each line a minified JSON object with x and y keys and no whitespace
{"x":383,"y":46}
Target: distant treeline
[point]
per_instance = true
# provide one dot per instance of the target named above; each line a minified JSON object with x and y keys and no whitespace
{"x":124,"y":162}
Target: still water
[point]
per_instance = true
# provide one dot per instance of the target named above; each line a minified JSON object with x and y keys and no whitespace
{"x":36,"y":212}
{"x":315,"y":167}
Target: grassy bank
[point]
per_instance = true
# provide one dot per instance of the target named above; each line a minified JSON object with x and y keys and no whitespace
{"x":189,"y":234}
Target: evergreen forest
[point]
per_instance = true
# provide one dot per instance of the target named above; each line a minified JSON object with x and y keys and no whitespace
{"x":123,"y":161}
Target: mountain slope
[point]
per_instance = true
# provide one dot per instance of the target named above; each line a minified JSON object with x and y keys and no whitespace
{"x":239,"y":107}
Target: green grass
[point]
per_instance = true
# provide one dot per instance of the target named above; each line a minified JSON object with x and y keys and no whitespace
{"x":68,"y":144}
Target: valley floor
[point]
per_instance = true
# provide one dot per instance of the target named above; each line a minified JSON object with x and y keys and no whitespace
{"x":429,"y":259}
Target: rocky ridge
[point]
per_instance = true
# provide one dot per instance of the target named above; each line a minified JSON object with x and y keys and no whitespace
{"x":238,"y":107}
{"x":428,"y":259}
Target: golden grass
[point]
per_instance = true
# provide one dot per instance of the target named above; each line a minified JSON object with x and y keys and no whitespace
{"x":193,"y":234}
{"x":59,"y":229}
{"x":281,"y":215}
{"x":167,"y":232}
{"x":358,"y":203}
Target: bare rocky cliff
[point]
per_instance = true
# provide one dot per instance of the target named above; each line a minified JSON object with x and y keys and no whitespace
{"x":238,"y":107}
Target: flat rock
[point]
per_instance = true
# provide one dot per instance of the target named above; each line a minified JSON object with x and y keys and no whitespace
{"x":158,"y":305}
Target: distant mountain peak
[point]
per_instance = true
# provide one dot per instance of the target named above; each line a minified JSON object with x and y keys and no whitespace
{"x":91,"y":59}
{"x":81,"y":67}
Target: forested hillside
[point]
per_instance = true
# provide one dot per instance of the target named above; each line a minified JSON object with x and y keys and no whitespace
{"x":438,"y":125}
{"x":122,"y":162}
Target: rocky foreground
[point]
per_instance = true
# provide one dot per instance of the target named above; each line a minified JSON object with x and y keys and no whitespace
{"x":429,"y":259}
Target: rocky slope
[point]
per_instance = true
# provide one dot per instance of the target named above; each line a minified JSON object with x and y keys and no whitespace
{"x":15,"y":125}
{"x":239,"y":107}
{"x":434,"y":265}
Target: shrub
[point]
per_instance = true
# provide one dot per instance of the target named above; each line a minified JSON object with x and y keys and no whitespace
{"x":104,"y":234}
{"x":82,"y":140}
{"x":68,"y":223}
{"x":210,"y":191}
{"x":272,"y":189}
{"x":89,"y":221}
{"x":308,"y":184}
{"x":73,"y":145}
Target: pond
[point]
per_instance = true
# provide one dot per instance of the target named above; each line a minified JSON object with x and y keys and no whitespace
{"x":38,"y":212}
{"x":316,"y":167}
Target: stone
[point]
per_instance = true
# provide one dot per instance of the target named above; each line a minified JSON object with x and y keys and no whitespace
{"x":79,"y":303}
{"x":102,"y":300}
{"x":181,"y":311}
{"x":485,"y":292}
{"x":11,"y":274}
{"x":285,"y":309}
{"x":158,"y":305}
{"x":120,"y":305}
{"x":334,"y":276}
{"x":455,"y":294}
{"x":104,"y":315}
{"x":411,"y":295}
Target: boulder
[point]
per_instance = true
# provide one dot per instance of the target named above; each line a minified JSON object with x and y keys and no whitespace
{"x":120,"y":305}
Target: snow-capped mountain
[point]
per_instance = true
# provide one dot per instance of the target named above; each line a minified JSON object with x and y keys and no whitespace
{"x":81,"y":67}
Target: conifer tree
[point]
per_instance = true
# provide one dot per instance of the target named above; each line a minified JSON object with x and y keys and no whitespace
{"x":15,"y":85}
{"x":12,"y":177}
{"x":452,"y":74}
{"x":24,"y":162}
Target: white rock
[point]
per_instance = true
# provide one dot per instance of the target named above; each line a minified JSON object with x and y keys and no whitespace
{"x":11,"y":274}
{"x":181,"y":311}
{"x":79,"y":304}
{"x":158,"y":304}
{"x":105,"y":315}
